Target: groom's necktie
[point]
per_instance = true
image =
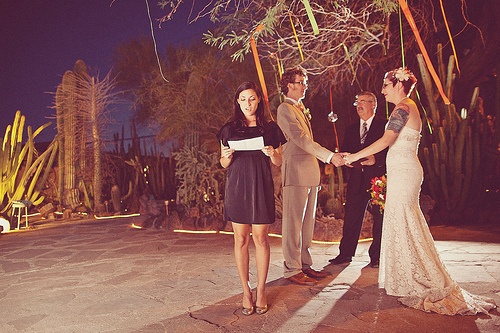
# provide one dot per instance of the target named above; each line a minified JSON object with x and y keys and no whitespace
{"x":364,"y":132}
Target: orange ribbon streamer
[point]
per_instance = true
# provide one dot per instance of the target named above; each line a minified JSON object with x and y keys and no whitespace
{"x":413,"y":26}
{"x":259,"y":69}
{"x":449,"y":34}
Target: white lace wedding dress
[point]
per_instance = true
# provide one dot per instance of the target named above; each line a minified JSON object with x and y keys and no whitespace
{"x":410,"y":266}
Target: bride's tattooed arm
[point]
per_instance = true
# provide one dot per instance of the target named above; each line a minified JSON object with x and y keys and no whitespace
{"x":398,"y":118}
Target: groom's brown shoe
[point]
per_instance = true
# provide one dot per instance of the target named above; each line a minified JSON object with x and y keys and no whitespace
{"x":303,"y":279}
{"x":314,"y":274}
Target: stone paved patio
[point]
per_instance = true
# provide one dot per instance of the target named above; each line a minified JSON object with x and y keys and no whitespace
{"x":105,"y":276}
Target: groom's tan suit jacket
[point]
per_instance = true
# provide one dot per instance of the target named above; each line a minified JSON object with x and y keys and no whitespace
{"x":300,"y":180}
{"x":300,"y":153}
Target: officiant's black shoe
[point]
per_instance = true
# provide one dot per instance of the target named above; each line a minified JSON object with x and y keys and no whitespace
{"x":374,"y":264}
{"x":340,"y":260}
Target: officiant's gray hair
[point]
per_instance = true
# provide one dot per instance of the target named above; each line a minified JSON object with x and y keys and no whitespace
{"x":368,"y":93}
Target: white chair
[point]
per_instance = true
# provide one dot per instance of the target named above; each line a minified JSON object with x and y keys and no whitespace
{"x":5,"y":225}
{"x":19,"y":205}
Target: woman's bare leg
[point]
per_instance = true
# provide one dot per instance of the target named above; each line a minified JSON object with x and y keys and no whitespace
{"x":241,"y":241}
{"x":262,"y":257}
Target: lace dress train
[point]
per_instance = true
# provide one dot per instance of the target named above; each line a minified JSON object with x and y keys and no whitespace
{"x":410,"y":266}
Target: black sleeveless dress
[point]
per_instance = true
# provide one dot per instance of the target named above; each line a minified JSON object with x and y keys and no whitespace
{"x":249,"y":193}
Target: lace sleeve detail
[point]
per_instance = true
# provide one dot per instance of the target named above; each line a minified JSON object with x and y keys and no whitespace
{"x":398,"y":118}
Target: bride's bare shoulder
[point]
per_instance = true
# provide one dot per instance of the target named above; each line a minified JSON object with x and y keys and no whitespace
{"x":414,"y":118}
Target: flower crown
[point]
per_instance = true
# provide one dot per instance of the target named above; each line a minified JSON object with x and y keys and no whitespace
{"x":401,"y":74}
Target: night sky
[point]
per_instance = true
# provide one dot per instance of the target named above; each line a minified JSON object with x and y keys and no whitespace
{"x":40,"y":40}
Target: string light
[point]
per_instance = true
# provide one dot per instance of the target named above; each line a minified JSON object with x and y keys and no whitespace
{"x":115,"y":216}
{"x":196,"y":231}
{"x":222,"y":232}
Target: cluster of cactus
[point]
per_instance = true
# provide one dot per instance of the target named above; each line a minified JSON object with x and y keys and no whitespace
{"x":161,"y":176}
{"x":143,"y":171}
{"x":201,"y":180}
{"x":23,"y":171}
{"x":451,"y":142}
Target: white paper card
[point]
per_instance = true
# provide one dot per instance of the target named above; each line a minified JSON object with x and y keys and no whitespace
{"x":247,"y":144}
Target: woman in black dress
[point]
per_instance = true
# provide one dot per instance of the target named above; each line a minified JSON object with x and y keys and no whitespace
{"x":249,"y":196}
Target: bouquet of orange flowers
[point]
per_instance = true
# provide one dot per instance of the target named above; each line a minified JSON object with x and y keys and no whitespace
{"x":377,"y":192}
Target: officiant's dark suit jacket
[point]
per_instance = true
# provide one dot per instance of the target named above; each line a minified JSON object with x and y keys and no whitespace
{"x":357,"y":196}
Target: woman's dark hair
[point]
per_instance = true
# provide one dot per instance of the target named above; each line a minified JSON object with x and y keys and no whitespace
{"x":239,"y":116}
{"x":403,"y":75}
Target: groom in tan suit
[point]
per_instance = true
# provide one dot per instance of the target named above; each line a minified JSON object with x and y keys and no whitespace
{"x":300,"y":180}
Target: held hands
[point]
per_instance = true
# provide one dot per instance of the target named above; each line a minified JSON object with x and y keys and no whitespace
{"x":349,"y":158}
{"x":337,"y":159}
{"x":346,"y":159}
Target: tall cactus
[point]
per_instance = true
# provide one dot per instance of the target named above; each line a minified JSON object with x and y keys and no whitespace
{"x":82,"y":92}
{"x":60,"y":128}
{"x":66,"y":103}
{"x":81,"y":101}
{"x":96,"y":136}
{"x":450,"y":157}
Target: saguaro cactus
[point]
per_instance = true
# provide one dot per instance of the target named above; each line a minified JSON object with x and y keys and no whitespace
{"x":81,"y":100}
{"x":66,"y":103}
{"x":60,"y":126}
{"x":82,"y":95}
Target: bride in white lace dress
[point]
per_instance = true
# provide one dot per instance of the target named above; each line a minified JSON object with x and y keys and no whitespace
{"x":410,"y":266}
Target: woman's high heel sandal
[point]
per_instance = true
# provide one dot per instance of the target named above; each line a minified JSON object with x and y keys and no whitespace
{"x":261,"y":310}
{"x":247,"y":311}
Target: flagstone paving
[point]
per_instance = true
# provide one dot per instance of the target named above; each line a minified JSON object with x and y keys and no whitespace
{"x":105,"y":276}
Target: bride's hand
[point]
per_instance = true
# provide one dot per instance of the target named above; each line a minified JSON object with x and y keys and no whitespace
{"x":349,"y":158}
{"x":370,"y":160}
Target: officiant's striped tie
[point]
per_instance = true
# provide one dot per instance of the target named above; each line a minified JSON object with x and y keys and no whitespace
{"x":364,"y":132}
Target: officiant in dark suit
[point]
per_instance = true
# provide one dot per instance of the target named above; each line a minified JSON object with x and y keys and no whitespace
{"x":357,"y":136}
